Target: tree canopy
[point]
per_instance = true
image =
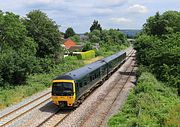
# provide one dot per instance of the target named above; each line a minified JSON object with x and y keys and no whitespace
{"x":69,"y":32}
{"x":17,"y":54}
{"x":45,"y":33}
{"x":158,"y":47}
{"x":95,"y":26}
{"x":166,"y":23}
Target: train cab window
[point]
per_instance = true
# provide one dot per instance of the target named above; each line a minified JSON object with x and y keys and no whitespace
{"x":62,"y":88}
{"x":77,"y":84}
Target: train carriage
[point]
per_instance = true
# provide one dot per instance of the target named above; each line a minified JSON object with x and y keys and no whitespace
{"x":68,"y":88}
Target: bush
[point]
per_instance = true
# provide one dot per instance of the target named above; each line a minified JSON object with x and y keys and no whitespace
{"x":86,"y":55}
{"x":160,"y":56}
{"x":87,"y":47}
{"x":149,"y":104}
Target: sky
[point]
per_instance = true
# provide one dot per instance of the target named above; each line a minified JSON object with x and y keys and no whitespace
{"x":79,"y":14}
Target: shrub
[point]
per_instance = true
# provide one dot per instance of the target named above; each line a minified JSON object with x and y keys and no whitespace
{"x":86,"y":55}
{"x":149,"y":104}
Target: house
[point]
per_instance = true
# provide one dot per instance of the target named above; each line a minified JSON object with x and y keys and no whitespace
{"x":68,"y":43}
{"x":70,"y":46}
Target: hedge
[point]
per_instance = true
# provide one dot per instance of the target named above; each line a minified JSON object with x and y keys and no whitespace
{"x":86,"y":55}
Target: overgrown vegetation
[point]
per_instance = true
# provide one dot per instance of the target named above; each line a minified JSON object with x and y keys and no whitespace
{"x":155,"y":103}
{"x":158,"y":47}
{"x":151,"y":104}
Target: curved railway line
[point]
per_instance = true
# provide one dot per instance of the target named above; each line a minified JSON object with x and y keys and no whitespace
{"x":57,"y":117}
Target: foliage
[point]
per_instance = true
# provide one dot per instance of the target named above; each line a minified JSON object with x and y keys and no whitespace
{"x":166,"y":23}
{"x":107,"y":36}
{"x":17,"y":54}
{"x":94,"y":36}
{"x":95,"y":26}
{"x":113,"y":36}
{"x":106,"y":49}
{"x":37,"y":82}
{"x":45,"y":33}
{"x":75,"y":38}
{"x":160,"y":54}
{"x":149,"y":104}
{"x":86,"y":55}
{"x":69,"y":32}
{"x":87,"y":46}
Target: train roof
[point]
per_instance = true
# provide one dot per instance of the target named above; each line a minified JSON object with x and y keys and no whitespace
{"x":79,"y":73}
{"x":114,"y":56}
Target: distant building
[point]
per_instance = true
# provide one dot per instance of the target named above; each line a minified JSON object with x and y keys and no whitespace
{"x":83,"y":37}
{"x":68,"y":43}
{"x":71,"y":46}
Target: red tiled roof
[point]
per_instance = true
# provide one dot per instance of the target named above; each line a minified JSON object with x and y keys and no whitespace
{"x":68,"y":43}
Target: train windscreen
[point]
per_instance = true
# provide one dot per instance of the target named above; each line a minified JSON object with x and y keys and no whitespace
{"x":62,"y":89}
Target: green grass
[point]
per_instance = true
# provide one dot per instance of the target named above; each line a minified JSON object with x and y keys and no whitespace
{"x":150,"y":104}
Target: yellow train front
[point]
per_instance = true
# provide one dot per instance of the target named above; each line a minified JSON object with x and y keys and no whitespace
{"x":67,"y":89}
{"x":63,"y":92}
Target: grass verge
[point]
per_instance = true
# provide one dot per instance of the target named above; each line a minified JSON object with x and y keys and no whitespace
{"x":150,"y":104}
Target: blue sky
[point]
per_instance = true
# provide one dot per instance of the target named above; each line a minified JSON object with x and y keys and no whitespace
{"x":79,"y":14}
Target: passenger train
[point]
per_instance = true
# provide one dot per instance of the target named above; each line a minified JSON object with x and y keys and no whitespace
{"x":69,"y":88}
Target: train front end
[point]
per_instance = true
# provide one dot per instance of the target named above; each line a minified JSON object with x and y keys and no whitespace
{"x":63,"y":93}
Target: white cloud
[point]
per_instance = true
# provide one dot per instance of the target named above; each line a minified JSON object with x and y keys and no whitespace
{"x":108,"y":3}
{"x":121,"y":20}
{"x":137,"y":8}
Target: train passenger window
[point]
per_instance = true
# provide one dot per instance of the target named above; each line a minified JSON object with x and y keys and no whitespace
{"x":80,"y":84}
{"x":91,"y":78}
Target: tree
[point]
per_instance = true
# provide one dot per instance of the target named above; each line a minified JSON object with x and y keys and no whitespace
{"x":69,"y":32}
{"x":45,"y":33}
{"x":76,"y":38}
{"x":94,"y":36}
{"x":87,"y":46}
{"x":166,"y":23}
{"x":95,"y":26}
{"x":17,"y":54}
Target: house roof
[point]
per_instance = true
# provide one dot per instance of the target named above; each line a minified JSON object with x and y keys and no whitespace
{"x":68,"y":43}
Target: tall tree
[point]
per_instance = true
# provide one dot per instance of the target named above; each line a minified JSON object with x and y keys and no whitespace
{"x":45,"y":32}
{"x":95,"y":26}
{"x":166,"y":23}
{"x":69,"y":32}
{"x":17,"y":53}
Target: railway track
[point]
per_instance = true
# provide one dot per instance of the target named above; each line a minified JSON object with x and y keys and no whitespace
{"x":56,"y":118}
{"x":108,"y":101}
{"x":24,"y":109}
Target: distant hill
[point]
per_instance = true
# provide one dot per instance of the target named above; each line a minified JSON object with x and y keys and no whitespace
{"x":130,"y":33}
